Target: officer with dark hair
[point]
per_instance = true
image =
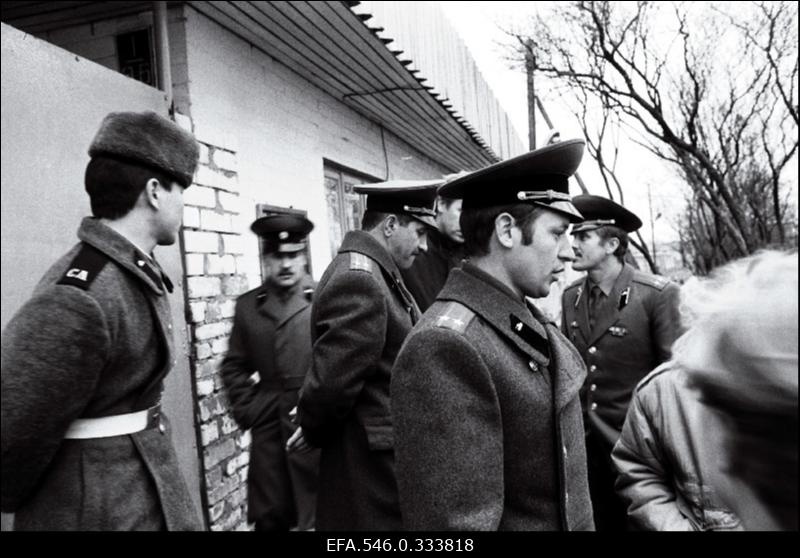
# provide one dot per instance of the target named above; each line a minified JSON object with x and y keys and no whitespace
{"x":488,"y":430}
{"x":267,"y":360}
{"x":623,"y":322}
{"x":361,"y":315}
{"x":84,"y":443}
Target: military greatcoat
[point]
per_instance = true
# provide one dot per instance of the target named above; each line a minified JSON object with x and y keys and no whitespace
{"x":94,"y":340}
{"x":361,"y":315}
{"x":488,"y":425}
{"x":268,"y":356}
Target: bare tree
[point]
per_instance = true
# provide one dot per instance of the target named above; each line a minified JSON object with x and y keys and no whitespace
{"x":664,"y":75}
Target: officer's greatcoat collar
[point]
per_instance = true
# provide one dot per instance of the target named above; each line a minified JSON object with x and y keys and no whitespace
{"x":609,"y":311}
{"x":499,"y":306}
{"x":124,"y":253}
{"x":363,"y":243}
{"x":281,"y":309}
{"x":504,"y":311}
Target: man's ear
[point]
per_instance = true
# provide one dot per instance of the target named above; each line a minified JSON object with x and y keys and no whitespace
{"x":504,"y":225}
{"x":151,"y":192}
{"x":390,"y":224}
{"x":611,"y":245}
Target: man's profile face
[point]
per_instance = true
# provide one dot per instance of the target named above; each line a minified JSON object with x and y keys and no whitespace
{"x":448,"y":219}
{"x":285,"y":269}
{"x":590,"y":250}
{"x":170,"y":213}
{"x":407,"y":242}
{"x":533,"y":268}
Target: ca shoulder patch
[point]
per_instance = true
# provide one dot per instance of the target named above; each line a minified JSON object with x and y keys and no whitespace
{"x":655,"y":281}
{"x":84,"y":267}
{"x":360,"y":262}
{"x":456,"y":317}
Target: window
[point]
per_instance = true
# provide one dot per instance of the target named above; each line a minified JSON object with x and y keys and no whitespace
{"x":135,"y":56}
{"x":264,"y":210}
{"x":345,"y":207}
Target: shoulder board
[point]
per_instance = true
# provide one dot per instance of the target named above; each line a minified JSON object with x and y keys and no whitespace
{"x":84,"y":267}
{"x":360,"y":262}
{"x":663,"y":367}
{"x":655,"y":281}
{"x":574,"y":284}
{"x":455,"y":316}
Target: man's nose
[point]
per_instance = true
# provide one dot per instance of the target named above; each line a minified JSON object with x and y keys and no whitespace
{"x":566,"y":251}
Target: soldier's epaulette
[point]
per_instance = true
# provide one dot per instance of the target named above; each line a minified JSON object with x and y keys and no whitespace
{"x":455,"y":316}
{"x":655,"y":281}
{"x":84,"y":267}
{"x":360,"y":262}
{"x":663,"y":367}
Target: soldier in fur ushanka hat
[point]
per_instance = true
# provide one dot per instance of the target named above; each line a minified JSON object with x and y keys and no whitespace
{"x":85,"y":446}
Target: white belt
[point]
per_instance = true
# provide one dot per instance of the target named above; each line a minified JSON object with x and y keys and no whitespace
{"x":115,"y":425}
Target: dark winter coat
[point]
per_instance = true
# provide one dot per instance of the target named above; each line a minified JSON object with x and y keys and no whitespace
{"x":88,"y":351}
{"x":426,"y":277}
{"x":271,"y":336}
{"x":488,"y":426}
{"x":360,"y":318}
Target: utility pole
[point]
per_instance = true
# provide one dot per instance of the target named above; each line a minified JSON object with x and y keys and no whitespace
{"x":530,"y":66}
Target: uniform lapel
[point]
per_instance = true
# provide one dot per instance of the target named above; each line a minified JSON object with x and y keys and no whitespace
{"x":609,"y":311}
{"x":568,"y":368}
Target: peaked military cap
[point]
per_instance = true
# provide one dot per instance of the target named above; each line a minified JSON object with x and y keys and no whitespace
{"x":416,"y":198}
{"x":599,"y":211}
{"x":282,"y":233}
{"x":149,"y":139}
{"x":539,"y":177}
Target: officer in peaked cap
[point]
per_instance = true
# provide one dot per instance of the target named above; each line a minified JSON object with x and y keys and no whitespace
{"x":84,"y":446}
{"x":623,"y":322}
{"x":601,"y":212}
{"x":360,"y":318}
{"x":485,"y":391}
{"x":268,"y":355}
{"x":416,"y":198}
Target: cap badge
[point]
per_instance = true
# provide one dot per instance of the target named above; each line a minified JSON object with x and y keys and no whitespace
{"x":283,"y":235}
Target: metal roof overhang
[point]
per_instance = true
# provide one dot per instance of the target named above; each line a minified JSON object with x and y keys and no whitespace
{"x":332,"y":47}
{"x":327,"y":44}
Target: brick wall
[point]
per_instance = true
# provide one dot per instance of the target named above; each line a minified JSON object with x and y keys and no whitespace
{"x":215,"y":277}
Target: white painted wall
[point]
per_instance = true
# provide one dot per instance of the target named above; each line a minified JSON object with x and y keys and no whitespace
{"x":282,"y":127}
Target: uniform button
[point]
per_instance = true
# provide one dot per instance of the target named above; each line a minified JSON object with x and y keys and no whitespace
{"x":594,"y":406}
{"x":564,"y":449}
{"x":169,"y":326}
{"x":532,"y":365}
{"x":592,"y":350}
{"x":593,"y":368}
{"x":574,"y":324}
{"x":140,"y":263}
{"x":592,"y":387}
